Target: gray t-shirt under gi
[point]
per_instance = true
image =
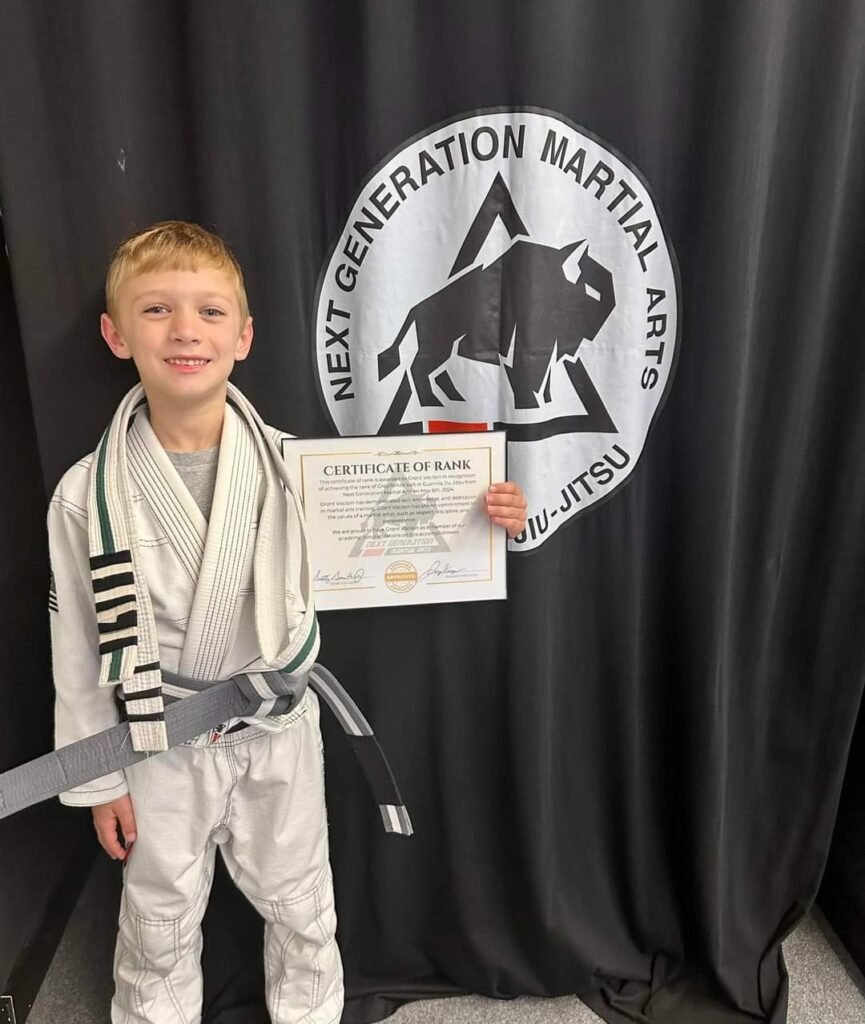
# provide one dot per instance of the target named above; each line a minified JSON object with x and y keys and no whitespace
{"x":198,"y":471}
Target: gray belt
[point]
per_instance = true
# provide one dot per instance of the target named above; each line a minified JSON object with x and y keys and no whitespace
{"x":242,"y":696}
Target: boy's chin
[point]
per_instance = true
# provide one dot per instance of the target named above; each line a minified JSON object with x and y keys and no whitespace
{"x":185,"y":389}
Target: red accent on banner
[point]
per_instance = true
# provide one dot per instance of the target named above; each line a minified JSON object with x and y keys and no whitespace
{"x":449,"y":427}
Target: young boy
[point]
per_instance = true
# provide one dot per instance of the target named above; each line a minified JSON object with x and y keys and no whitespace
{"x":179,"y":546}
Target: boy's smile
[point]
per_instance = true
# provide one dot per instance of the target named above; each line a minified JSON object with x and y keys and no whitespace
{"x":187,"y":365}
{"x":183,"y":329}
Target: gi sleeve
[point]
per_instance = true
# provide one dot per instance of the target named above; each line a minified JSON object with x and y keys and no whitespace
{"x":82,"y":708}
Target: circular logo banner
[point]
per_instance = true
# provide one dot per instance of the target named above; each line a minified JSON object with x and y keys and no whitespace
{"x":505,"y":270}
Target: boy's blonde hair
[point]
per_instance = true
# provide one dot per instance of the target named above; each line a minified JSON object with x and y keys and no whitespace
{"x":171,"y":245}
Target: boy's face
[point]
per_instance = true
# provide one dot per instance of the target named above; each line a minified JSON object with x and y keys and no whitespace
{"x":183,"y":329}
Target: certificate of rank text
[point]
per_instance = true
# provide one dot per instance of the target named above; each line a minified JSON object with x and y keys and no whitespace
{"x":401,"y":520}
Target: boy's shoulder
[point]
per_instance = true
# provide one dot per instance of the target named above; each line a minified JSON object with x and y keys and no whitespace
{"x":278,"y":436}
{"x":71,"y":491}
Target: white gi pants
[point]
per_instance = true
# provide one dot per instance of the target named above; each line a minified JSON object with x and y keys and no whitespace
{"x":259,"y":797}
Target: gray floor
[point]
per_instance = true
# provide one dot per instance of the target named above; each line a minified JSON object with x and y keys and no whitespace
{"x":825,"y":988}
{"x":822,"y":991}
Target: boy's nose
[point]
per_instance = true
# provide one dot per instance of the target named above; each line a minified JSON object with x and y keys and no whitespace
{"x":184,"y":327}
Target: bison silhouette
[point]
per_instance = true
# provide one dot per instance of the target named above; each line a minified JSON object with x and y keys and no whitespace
{"x":533,"y":301}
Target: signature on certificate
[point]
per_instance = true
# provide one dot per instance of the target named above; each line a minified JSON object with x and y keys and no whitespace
{"x":447,"y":571}
{"x":338,"y":578}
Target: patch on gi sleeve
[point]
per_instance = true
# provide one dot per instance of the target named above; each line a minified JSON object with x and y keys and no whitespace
{"x":52,"y":595}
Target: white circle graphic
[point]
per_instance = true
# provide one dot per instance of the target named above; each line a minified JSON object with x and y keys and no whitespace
{"x":506,"y":269}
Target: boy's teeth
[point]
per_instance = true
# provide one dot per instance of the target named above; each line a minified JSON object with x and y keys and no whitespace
{"x":189,"y":362}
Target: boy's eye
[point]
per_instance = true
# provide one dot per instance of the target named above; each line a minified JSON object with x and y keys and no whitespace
{"x":212,"y":311}
{"x":156,"y":308}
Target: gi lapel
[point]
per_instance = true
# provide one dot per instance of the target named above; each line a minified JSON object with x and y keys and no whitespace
{"x":174,"y":508}
{"x":227,"y":555}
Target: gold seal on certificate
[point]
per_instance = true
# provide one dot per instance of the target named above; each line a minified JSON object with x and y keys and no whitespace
{"x":401,"y":520}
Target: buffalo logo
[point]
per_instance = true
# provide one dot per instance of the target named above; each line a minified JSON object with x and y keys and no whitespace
{"x":541,"y":302}
{"x":535,"y":304}
{"x":505,"y":270}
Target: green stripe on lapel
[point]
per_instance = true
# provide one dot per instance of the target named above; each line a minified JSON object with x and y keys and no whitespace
{"x":101,"y":504}
{"x":303,"y":653}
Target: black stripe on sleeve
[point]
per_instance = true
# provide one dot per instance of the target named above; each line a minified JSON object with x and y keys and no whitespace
{"x":119,"y":579}
{"x":107,"y":646}
{"x":151,"y":666}
{"x":114,"y":602}
{"x":157,"y":717}
{"x":155,"y":691}
{"x":115,"y":558}
{"x":123,"y":621}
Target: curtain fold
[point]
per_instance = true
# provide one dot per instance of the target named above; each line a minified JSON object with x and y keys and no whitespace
{"x":624,"y":779}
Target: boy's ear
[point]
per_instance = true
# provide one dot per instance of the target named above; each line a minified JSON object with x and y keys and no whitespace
{"x":244,"y":342}
{"x":113,"y":337}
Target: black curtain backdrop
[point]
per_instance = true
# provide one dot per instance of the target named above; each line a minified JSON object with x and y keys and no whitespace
{"x":624,"y":779}
{"x":44,"y":852}
{"x":842,"y":891}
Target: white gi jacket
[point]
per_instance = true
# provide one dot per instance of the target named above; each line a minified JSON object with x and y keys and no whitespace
{"x":181,"y":598}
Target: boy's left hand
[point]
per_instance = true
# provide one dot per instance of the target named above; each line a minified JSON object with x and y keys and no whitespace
{"x":506,"y":505}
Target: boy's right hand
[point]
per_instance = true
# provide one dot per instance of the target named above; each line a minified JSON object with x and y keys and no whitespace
{"x":107,"y":819}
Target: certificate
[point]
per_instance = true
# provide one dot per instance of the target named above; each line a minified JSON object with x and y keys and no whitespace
{"x":401,"y":520}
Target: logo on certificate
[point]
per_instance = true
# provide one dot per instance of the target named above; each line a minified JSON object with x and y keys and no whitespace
{"x":401,"y":520}
{"x":506,"y":270}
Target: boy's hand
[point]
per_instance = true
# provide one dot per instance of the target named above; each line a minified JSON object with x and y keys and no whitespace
{"x":107,"y":819}
{"x":506,"y":505}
